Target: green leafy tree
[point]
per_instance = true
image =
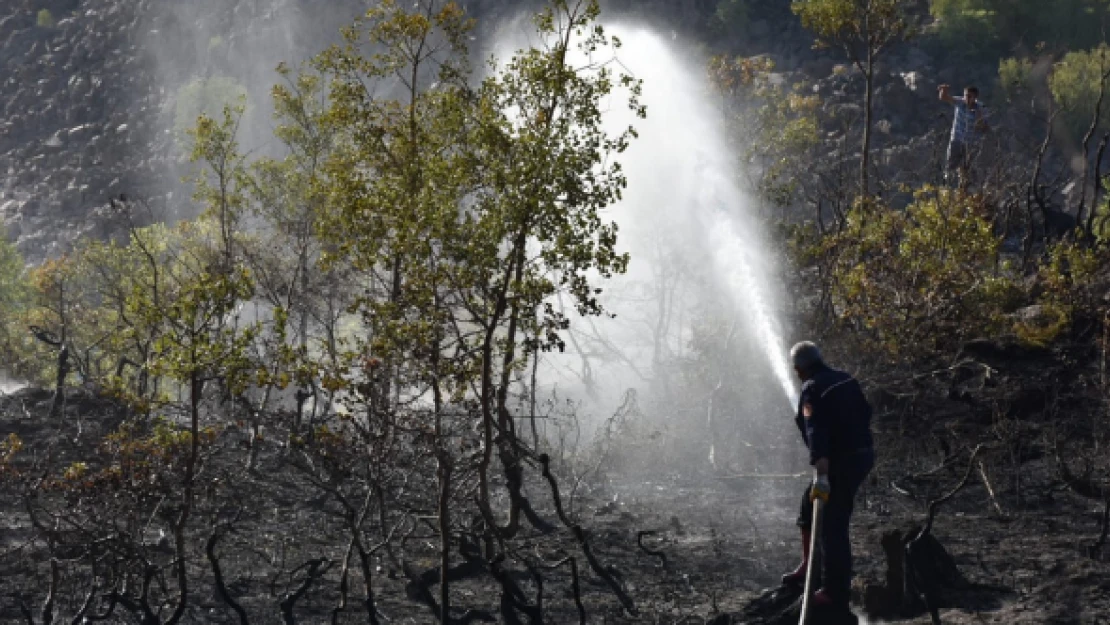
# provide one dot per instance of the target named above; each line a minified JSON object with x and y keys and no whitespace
{"x":998,"y":26}
{"x":539,"y":229}
{"x":289,"y":196}
{"x":204,"y":96}
{"x":166,"y":303}
{"x":864,"y":30}
{"x":200,"y":342}
{"x":125,"y":278}
{"x":60,"y":320}
{"x":1015,"y":76}
{"x":136,"y":286}
{"x":777,"y":128}
{"x":455,"y":207}
{"x":62,"y":323}
{"x":465,"y":207}
{"x":1078,"y":84}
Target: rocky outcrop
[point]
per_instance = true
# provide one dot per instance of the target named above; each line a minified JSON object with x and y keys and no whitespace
{"x":78,"y":118}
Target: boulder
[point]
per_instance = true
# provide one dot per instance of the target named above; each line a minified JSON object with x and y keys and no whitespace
{"x":13,"y":228}
{"x":80,"y":133}
{"x":11,"y":207}
{"x":1034,"y":314}
{"x":55,"y":142}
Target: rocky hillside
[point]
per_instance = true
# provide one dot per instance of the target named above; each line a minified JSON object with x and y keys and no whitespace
{"x":90,"y":89}
{"x":78,"y":119}
{"x":97,"y":92}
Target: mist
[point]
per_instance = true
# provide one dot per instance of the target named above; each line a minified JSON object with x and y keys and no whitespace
{"x":701,"y":271}
{"x":7,"y":385}
{"x":209,"y":54}
{"x":701,"y":267}
{"x":691,"y":353}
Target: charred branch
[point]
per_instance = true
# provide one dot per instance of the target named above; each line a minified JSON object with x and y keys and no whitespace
{"x":583,"y":542}
{"x":927,"y":563}
{"x":1105,"y":530}
{"x":217,"y":573}
{"x":420,"y":584}
{"x":651,"y":552}
{"x":315,"y":569}
{"x":513,"y":599}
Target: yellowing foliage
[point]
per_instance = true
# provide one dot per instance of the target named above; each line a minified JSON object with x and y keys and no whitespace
{"x":922,"y":278}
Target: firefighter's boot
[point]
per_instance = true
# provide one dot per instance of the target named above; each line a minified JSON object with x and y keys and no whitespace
{"x":798,"y":576}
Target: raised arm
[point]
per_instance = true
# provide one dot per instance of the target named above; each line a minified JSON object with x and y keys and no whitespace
{"x":944,"y":94}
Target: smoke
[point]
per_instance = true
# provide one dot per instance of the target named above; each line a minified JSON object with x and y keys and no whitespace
{"x":211,"y":53}
{"x":8,"y":385}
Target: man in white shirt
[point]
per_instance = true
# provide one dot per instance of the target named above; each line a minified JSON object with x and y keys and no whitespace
{"x":968,"y":127}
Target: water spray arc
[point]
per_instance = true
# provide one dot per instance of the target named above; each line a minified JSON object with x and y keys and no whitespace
{"x":684,"y":211}
{"x":748,"y":287}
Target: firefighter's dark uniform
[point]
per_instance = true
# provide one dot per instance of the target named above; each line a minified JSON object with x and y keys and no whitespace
{"x":835,"y":420}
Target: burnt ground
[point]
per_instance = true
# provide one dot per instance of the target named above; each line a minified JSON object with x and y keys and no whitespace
{"x":728,"y":540}
{"x":1022,"y":568}
{"x":724,"y":541}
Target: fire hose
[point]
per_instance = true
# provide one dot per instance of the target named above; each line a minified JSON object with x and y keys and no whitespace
{"x":815,"y":533}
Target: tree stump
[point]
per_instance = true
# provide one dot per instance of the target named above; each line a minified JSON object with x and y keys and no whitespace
{"x":919,"y":569}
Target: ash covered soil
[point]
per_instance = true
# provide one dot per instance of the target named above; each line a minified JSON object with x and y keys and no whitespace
{"x":729,"y":540}
{"x":690,"y":547}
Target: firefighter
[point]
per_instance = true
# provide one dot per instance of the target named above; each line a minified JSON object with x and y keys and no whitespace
{"x":835,"y":421}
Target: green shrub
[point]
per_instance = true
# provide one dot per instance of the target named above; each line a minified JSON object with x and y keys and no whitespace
{"x":1040,"y":330}
{"x":996,"y":26}
{"x":922,"y":279}
{"x":45,"y":19}
{"x":1068,"y":288}
{"x":205,"y":96}
{"x":1015,"y":76}
{"x":1100,"y":221}
{"x":14,"y":289}
{"x":1074,"y":83}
